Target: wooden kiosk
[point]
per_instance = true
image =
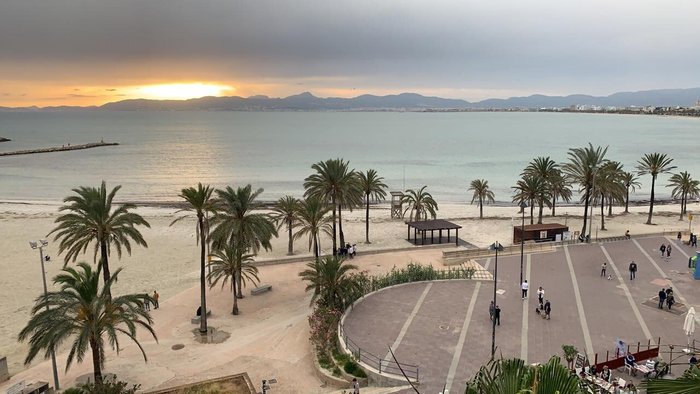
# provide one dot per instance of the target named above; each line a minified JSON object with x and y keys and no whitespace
{"x":539,"y":232}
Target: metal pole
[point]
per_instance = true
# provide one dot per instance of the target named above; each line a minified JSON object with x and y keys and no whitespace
{"x":53,"y":355}
{"x":493,"y":323}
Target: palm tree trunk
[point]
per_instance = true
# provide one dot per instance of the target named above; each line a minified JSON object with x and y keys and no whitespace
{"x":290,"y":248}
{"x":335,"y":242}
{"x":532,"y":212}
{"x":554,"y":205}
{"x":340,"y":226}
{"x":585,"y":211}
{"x":104,"y":263}
{"x":682,"y":206}
{"x":202,"y":279}
{"x":539,"y":217}
{"x":239,"y":286}
{"x":481,"y":208}
{"x":627,"y":200}
{"x":235,"y":299}
{"x":651,"y":203}
{"x":367,"y":221}
{"x":96,"y":361}
{"x":602,"y":212}
{"x":610,"y":205}
{"x":316,"y":251}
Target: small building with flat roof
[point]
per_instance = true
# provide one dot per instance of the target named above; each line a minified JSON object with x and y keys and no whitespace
{"x":423,"y":227}
{"x":539,"y":232}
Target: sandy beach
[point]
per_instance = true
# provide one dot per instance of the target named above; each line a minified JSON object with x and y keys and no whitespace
{"x":270,"y":337}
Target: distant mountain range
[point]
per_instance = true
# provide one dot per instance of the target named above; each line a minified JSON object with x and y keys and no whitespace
{"x":405,"y":101}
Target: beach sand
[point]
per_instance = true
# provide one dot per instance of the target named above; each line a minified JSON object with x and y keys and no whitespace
{"x":270,"y":337}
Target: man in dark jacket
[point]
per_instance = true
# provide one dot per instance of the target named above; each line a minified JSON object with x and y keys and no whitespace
{"x":662,"y":298}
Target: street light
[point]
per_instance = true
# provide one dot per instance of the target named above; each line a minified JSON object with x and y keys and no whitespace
{"x":523,"y":205}
{"x":40,"y":245}
{"x":495,"y":246}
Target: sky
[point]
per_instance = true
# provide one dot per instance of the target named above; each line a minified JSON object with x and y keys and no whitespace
{"x":89,"y":52}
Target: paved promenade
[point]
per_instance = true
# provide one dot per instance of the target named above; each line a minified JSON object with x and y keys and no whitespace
{"x":444,"y":327}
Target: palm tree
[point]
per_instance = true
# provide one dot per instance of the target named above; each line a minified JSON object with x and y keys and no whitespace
{"x":559,"y":188}
{"x":545,"y":169}
{"x":481,"y":190}
{"x":200,"y":203}
{"x":684,"y":187}
{"x":286,"y":212}
{"x":313,"y":221}
{"x":90,"y":218}
{"x":373,"y":188}
{"x":84,"y":311}
{"x":421,"y":202}
{"x":688,"y":383}
{"x":630,"y":181}
{"x":329,"y":183}
{"x":331,"y":281}
{"x":609,"y":186}
{"x":534,"y":190}
{"x":654,"y":164}
{"x":515,"y":376}
{"x":581,"y":168}
{"x":236,"y":223}
{"x":232,"y":261}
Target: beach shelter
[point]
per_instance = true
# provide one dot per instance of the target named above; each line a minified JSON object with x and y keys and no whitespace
{"x":689,"y":324}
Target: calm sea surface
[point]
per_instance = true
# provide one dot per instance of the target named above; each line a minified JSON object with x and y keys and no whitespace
{"x":162,"y":152}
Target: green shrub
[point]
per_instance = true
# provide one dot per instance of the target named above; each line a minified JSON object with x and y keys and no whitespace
{"x":336,"y":371}
{"x":74,"y":390}
{"x":109,"y":386}
{"x":354,"y":369}
{"x":324,"y":361}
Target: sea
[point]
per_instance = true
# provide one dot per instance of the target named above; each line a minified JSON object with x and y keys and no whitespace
{"x":159,"y":153}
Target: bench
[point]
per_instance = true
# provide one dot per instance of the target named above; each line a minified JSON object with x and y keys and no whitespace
{"x":196,"y":319}
{"x":260,"y":289}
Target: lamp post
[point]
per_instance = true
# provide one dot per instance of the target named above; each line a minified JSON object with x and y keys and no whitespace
{"x":523,"y":205}
{"x":495,"y":246}
{"x":40,"y":245}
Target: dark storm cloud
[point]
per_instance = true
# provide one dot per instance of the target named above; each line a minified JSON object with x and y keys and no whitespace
{"x":535,"y":45}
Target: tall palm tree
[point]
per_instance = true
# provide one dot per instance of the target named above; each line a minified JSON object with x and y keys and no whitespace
{"x":559,"y":188}
{"x":630,"y":181}
{"x":609,"y":187}
{"x":331,"y":281}
{"x":91,"y":218}
{"x":534,"y":190}
{"x":349,"y":196}
{"x":200,"y":202}
{"x":654,"y":164}
{"x":87,"y":313}
{"x":482,"y":193}
{"x":544,"y":168}
{"x":286,"y":212}
{"x":372,"y":187}
{"x":688,"y":383}
{"x":328,"y":183}
{"x":232,"y":260}
{"x":236,"y":223}
{"x":684,"y":187}
{"x":582,"y":165}
{"x":515,"y":376}
{"x":421,"y":202}
{"x":313,"y":220}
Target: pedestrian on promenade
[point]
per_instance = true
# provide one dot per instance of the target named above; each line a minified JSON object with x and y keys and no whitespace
{"x":669,"y":292}
{"x":497,"y":315}
{"x":670,"y":300}
{"x":662,"y":298}
{"x":547,"y":309}
{"x":155,"y":297}
{"x":355,"y":386}
{"x":633,"y":270}
{"x":695,"y":240}
{"x":524,"y":288}
{"x":627,"y":234}
{"x":603,"y":268}
{"x":662,"y":249}
{"x":540,"y":296}
{"x":679,"y":237}
{"x":668,"y":252}
{"x":492,"y":309}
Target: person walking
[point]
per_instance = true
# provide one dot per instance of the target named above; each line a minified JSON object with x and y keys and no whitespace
{"x":679,"y":237}
{"x":668,"y":252}
{"x":603,"y":269}
{"x":547,"y":309}
{"x":524,"y":287}
{"x":633,"y":270}
{"x":670,"y":300}
{"x":662,"y":249}
{"x":492,"y":309}
{"x":355,"y":386}
{"x":155,"y":297}
{"x":662,"y":298}
{"x":540,"y":296}
{"x":497,"y":315}
{"x":695,"y":240}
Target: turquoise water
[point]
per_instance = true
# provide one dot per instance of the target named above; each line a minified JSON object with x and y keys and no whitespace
{"x":162,"y":152}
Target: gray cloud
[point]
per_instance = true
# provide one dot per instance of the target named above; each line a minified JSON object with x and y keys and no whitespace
{"x":537,"y":46}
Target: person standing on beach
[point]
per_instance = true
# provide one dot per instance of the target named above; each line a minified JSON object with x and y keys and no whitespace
{"x":633,"y":270}
{"x":524,"y":288}
{"x":155,"y":297}
{"x":146,"y":303}
{"x":603,"y":268}
{"x":663,"y":250}
{"x":497,"y":315}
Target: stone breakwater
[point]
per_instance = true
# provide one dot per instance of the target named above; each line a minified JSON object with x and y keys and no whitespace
{"x":59,"y":148}
{"x":2,"y":139}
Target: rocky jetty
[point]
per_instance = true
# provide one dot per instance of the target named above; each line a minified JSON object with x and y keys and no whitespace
{"x":2,"y":139}
{"x":59,"y":148}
